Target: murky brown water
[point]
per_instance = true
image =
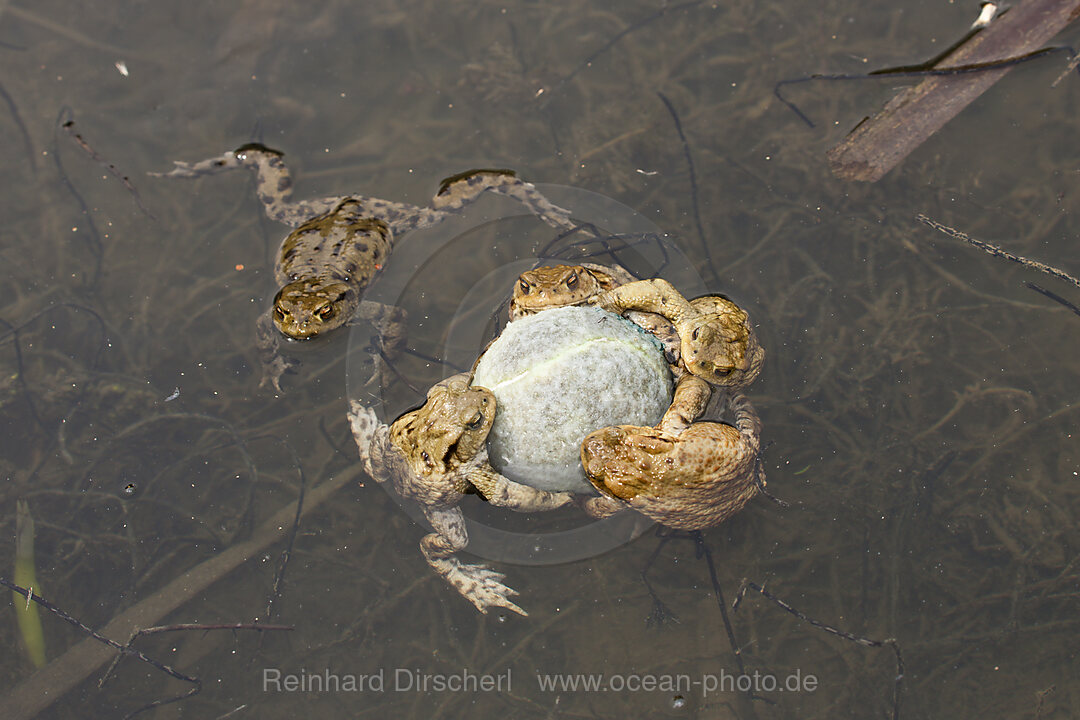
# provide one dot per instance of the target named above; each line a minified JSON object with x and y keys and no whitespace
{"x":919,"y":399}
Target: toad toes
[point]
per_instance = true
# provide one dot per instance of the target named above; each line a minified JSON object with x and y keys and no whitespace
{"x":437,"y":454}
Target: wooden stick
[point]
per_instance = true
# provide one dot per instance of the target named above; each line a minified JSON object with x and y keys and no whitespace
{"x":879,"y":144}
{"x":997,"y":251}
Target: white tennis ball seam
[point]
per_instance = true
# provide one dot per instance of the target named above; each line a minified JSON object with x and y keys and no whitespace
{"x":567,"y":354}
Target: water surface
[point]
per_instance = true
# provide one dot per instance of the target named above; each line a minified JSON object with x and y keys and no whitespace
{"x":918,"y":398}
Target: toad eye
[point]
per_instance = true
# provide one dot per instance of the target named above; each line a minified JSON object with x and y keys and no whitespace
{"x":279,"y":314}
{"x":694,"y":335}
{"x":476,"y":421}
{"x":426,"y":457}
{"x":523,"y":287}
{"x":325,"y":312}
{"x":572,"y":281}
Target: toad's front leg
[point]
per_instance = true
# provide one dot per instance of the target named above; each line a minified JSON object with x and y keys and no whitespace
{"x":478,"y":584}
{"x":716,"y":340}
{"x":388,"y":342}
{"x":691,"y":397}
{"x":268,"y":344}
{"x":501,"y":491}
{"x":656,"y":296}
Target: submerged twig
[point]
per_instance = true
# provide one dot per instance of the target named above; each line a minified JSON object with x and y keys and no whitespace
{"x":93,"y":237}
{"x":69,"y":127}
{"x":703,"y":551}
{"x":124,"y":649}
{"x":913,"y":71}
{"x":997,"y":251}
{"x":20,"y":376}
{"x":619,"y":36}
{"x":378,"y":353}
{"x":609,"y":246}
{"x":1054,"y":296}
{"x":1040,"y":697}
{"x":693,"y":174}
{"x":225,"y":426}
{"x":1072,"y":66}
{"x":279,"y":576}
{"x":878,"y":145}
{"x":73,"y":35}
{"x":185,"y":626}
{"x":22,"y":127}
{"x":661,"y":614}
{"x":13,"y":332}
{"x":891,"y":643}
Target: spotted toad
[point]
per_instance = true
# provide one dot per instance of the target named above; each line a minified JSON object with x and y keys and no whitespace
{"x":341,"y":242}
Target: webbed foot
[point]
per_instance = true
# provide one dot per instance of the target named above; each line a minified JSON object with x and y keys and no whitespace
{"x":601,"y":506}
{"x":365,"y":427}
{"x":388,"y":342}
{"x":478,"y":584}
{"x":268,"y":344}
{"x":362,"y":421}
{"x":183,"y":169}
{"x":275,"y":369}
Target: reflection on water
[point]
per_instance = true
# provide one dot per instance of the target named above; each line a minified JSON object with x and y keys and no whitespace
{"x":918,"y":398}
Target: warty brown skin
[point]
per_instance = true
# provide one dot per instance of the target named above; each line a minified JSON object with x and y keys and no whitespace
{"x":341,"y":242}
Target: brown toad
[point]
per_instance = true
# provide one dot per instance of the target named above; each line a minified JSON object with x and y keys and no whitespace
{"x":684,"y":474}
{"x":437,"y":454}
{"x":341,"y":242}
{"x":718,"y":343}
{"x":552,"y":286}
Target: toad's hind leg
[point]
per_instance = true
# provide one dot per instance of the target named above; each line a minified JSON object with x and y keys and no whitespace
{"x":457,"y":191}
{"x":745,"y":420}
{"x":478,"y":584}
{"x":273,"y":181}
